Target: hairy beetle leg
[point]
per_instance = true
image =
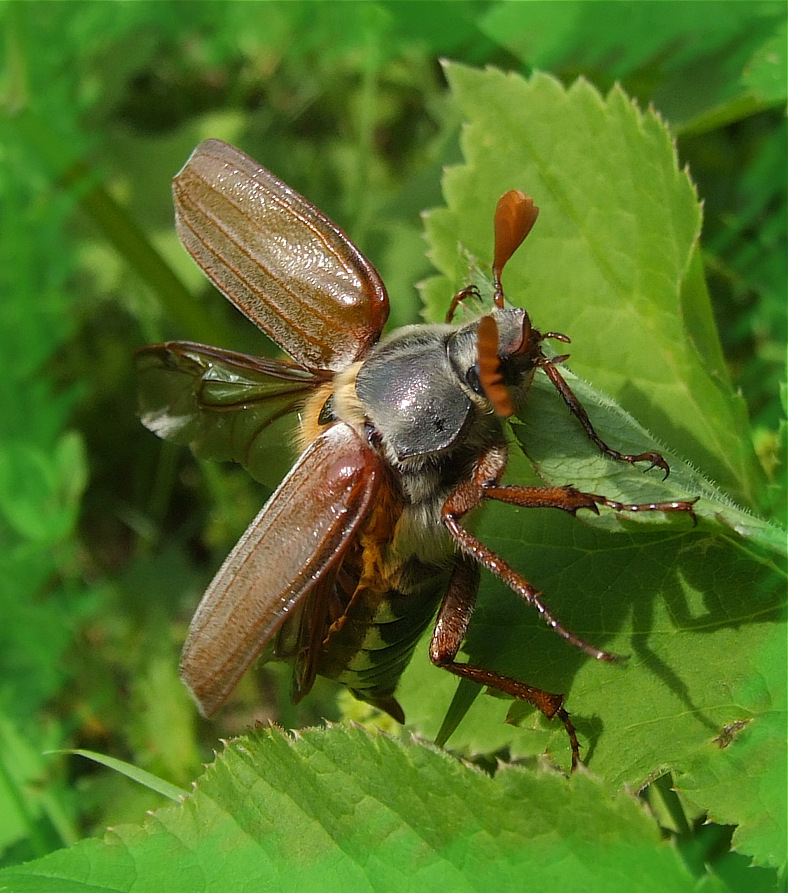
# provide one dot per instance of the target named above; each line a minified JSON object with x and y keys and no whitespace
{"x":679,"y":505}
{"x":528,"y":593}
{"x":570,"y":499}
{"x":546,"y":702}
{"x":470,"y":291}
{"x":481,"y":485}
{"x":655,"y":460}
{"x":450,"y":629}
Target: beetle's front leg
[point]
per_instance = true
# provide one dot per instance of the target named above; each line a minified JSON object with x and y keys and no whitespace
{"x":576,"y":408}
{"x":470,"y":291}
{"x":450,"y":629}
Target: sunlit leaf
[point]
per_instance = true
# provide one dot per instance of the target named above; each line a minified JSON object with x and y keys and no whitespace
{"x":613,"y":263}
{"x":338,"y":809}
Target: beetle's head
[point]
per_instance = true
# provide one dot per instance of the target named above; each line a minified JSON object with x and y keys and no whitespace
{"x":495,"y":357}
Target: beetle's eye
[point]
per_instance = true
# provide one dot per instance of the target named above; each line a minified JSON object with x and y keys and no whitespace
{"x":473,"y":380}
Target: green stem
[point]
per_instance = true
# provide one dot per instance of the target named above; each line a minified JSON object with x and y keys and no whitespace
{"x":118,"y":228}
{"x":19,"y":802}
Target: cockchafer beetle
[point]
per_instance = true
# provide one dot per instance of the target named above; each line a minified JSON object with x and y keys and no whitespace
{"x":363,"y":541}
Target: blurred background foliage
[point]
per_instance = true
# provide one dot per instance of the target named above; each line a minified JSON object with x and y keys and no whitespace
{"x":107,"y":536}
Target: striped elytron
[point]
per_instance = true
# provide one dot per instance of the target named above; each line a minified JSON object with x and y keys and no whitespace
{"x":363,"y":542}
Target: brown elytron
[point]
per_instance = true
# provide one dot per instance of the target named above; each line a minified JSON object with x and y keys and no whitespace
{"x":363,"y":542}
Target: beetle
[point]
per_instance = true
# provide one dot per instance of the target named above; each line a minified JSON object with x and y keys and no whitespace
{"x":364,"y":541}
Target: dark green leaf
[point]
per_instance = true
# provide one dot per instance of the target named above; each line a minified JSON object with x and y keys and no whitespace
{"x":613,"y":262}
{"x":338,"y":809}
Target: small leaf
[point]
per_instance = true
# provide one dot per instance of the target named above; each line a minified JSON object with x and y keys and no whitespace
{"x":40,"y":491}
{"x":753,"y":752}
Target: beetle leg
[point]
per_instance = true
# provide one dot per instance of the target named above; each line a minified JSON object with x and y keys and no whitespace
{"x":450,"y":629}
{"x":467,"y":495}
{"x":576,"y":408}
{"x":571,"y":500}
{"x":470,"y":291}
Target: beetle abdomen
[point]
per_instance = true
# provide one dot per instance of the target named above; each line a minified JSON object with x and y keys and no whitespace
{"x":369,"y":646}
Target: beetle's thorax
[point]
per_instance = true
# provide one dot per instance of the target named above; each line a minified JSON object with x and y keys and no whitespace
{"x":419,"y":390}
{"x":420,"y":400}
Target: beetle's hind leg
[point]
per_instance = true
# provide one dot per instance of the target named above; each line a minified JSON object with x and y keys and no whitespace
{"x":450,"y":629}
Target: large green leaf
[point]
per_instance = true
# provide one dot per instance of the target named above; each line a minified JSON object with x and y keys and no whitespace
{"x":613,"y":262}
{"x":338,"y":809}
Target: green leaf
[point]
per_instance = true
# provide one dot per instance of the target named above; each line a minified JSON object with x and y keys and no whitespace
{"x":36,"y":808}
{"x":613,"y":262}
{"x":751,"y":760}
{"x":339,"y":809}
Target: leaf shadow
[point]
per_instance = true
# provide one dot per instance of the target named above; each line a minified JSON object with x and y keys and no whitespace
{"x":634,"y":590}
